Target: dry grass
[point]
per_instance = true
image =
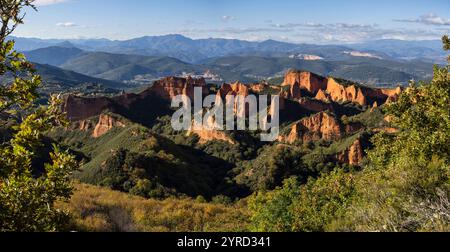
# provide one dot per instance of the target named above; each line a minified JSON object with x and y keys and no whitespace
{"x":100,"y":209}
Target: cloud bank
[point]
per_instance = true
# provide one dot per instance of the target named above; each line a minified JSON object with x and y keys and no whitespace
{"x":48,"y":2}
{"x":66,"y":24}
{"x":428,"y":19}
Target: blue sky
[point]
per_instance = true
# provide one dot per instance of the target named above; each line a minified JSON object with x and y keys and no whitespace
{"x":318,"y":21}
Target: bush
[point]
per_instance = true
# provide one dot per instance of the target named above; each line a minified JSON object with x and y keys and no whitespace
{"x":311,"y":207}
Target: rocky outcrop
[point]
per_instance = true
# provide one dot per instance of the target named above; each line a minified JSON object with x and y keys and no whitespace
{"x":315,"y":106}
{"x":339,"y":92}
{"x":322,"y":96}
{"x":295,"y":92}
{"x":106,"y":123}
{"x":81,"y":108}
{"x":169,"y":87}
{"x":394,"y":93}
{"x":316,"y":127}
{"x":147,"y":103}
{"x":85,"y":125}
{"x":206,"y":136}
{"x":234,"y":89}
{"x":326,"y":89}
{"x":352,"y":155}
{"x":310,"y":81}
{"x":261,"y":87}
{"x":208,"y":133}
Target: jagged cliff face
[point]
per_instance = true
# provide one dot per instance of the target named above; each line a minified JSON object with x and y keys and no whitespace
{"x":207,"y":133}
{"x":105,"y":124}
{"x":169,"y":87}
{"x":295,"y":92}
{"x":311,"y":82}
{"x":339,"y":92}
{"x":330,"y":89}
{"x":260,"y":87}
{"x":235,"y":89}
{"x":319,"y":126}
{"x":98,"y":128}
{"x":85,"y":125}
{"x":81,"y":108}
{"x":315,"y":105}
{"x":316,"y":127}
{"x":161,"y":92}
{"x":352,"y":155}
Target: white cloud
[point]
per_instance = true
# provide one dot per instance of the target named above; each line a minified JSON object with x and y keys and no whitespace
{"x":48,"y":2}
{"x":428,"y":19}
{"x":66,"y":24}
{"x":228,"y":18}
{"x":310,"y":32}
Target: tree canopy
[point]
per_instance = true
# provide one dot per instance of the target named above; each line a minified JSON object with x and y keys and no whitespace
{"x":27,"y":194}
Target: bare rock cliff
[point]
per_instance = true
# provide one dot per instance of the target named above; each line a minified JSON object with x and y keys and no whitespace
{"x":316,"y":127}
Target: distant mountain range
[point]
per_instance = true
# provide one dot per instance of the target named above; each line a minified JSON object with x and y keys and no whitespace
{"x":195,"y":51}
{"x":429,"y":50}
{"x":363,"y":68}
{"x":114,"y":67}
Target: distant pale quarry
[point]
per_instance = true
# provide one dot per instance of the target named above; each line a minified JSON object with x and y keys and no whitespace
{"x":305,"y":57}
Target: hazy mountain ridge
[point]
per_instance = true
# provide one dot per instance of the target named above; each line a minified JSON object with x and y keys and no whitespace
{"x":196,"y":50}
{"x":430,"y":50}
{"x":128,"y":68}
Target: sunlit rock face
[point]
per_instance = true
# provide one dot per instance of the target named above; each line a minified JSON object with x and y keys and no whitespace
{"x":169,"y":87}
{"x":352,"y":155}
{"x":316,"y":127}
{"x":331,"y":89}
{"x":105,"y":124}
{"x":310,"y":81}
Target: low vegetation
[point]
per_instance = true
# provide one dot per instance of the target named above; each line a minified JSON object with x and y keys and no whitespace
{"x":100,"y":209}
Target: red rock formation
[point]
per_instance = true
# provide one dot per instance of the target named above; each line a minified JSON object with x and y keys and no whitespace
{"x":80,"y":108}
{"x":85,"y":125}
{"x":388,"y":118}
{"x":105,"y":124}
{"x":236,"y":88}
{"x":169,"y":87}
{"x":209,"y":133}
{"x":355,"y":153}
{"x":311,"y":82}
{"x":260,"y":87}
{"x":315,"y":106}
{"x":316,"y":127}
{"x":352,"y":155}
{"x":392,"y":92}
{"x":295,"y":92}
{"x":322,"y":96}
{"x":331,"y":89}
{"x":339,"y":92}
